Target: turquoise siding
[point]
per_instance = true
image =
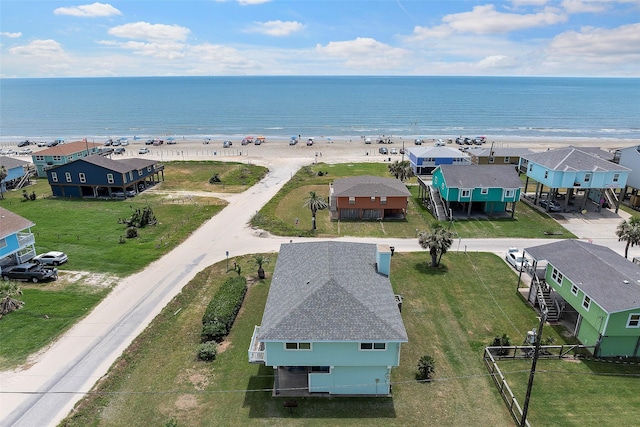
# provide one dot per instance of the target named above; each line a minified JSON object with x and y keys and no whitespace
{"x":352,"y":380}
{"x":331,"y":354}
{"x":11,"y":246}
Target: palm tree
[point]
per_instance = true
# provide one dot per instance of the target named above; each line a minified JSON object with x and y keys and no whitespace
{"x":394,"y":169}
{"x":629,"y":231}
{"x":401,"y":169}
{"x":3,"y":175}
{"x":315,"y":203}
{"x":8,"y":302}
{"x":259,"y":260}
{"x":438,"y":242}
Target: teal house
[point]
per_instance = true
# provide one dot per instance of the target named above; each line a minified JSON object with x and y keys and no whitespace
{"x":488,"y":189}
{"x":17,"y":243}
{"x":62,"y":154}
{"x":331,"y":324}
{"x":594,"y":289}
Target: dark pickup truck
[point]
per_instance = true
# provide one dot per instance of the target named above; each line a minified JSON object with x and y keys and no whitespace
{"x":29,"y":271}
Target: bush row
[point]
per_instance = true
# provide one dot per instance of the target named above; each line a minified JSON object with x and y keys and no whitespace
{"x":223,"y":309}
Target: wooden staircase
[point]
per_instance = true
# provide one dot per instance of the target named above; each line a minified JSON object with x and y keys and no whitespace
{"x":546,"y":301}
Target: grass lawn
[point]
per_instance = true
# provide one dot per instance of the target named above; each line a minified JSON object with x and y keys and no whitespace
{"x":194,"y":176}
{"x":45,"y":314}
{"x":451,"y":313}
{"x":285,"y":214}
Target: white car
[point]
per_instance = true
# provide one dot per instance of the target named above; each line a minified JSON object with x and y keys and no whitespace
{"x":394,"y":151}
{"x":517,"y":259}
{"x":439,"y":143}
{"x":52,"y":258}
{"x":143,"y":150}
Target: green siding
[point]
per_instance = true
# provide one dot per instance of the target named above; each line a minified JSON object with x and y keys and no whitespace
{"x":619,"y":346}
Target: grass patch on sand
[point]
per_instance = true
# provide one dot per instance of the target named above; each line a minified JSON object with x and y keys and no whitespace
{"x":195,"y":175}
{"x":285,"y":214}
{"x":89,"y":232}
{"x":451,"y":313}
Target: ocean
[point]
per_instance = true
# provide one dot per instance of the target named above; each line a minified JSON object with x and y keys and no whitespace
{"x":432,"y":107}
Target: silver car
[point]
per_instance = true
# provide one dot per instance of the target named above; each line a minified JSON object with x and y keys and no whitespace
{"x":52,"y":258}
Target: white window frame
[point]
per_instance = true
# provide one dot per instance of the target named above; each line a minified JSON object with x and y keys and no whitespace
{"x":491,"y":159}
{"x":287,"y":346}
{"x":383,"y":200}
{"x":484,"y":191}
{"x":587,"y":177}
{"x":39,"y":158}
{"x":131,"y":175}
{"x":557,"y":276}
{"x":634,"y":320}
{"x":546,"y":174}
{"x":506,"y":159}
{"x":373,"y":199}
{"x":110,"y":179}
{"x":352,"y":200}
{"x":616,"y":177}
{"x":574,"y":290}
{"x":586,"y":302}
{"x":509,"y":193}
{"x":139,"y":172}
{"x":82,"y":177}
{"x":148,"y":168}
{"x":57,"y":158}
{"x":373,"y":346}
{"x":67,"y":176}
{"x":54,"y":176}
{"x":465,"y":193}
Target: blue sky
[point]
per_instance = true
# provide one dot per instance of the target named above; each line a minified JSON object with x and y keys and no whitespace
{"x":320,"y":37}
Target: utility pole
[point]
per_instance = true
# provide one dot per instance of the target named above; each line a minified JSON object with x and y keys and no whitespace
{"x":525,"y":408}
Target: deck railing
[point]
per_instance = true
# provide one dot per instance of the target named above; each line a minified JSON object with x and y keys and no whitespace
{"x":256,"y":349}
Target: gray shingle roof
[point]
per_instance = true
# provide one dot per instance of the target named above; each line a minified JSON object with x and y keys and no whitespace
{"x":498,"y":151}
{"x":120,"y":166}
{"x":596,"y":151}
{"x":437,"y":152}
{"x":572,"y":159}
{"x":476,"y":176}
{"x":597,"y":270}
{"x":330,"y":291}
{"x":11,"y":223}
{"x":10,"y":162}
{"x":367,"y":186}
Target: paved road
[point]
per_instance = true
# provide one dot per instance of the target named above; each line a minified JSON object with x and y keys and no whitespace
{"x":45,"y":392}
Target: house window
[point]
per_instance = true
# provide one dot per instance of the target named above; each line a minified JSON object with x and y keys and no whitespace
{"x":370,"y":346}
{"x":139,"y":172}
{"x":574,"y":290}
{"x":67,"y":176}
{"x":352,"y":200}
{"x":509,"y":193}
{"x":82,"y":177}
{"x":131,"y":175}
{"x":465,"y":193}
{"x":507,"y":159}
{"x":54,"y":176}
{"x":586,"y":302}
{"x":484,"y":191}
{"x":110,"y":178}
{"x":634,"y":320}
{"x":383,"y":200}
{"x":557,"y":276}
{"x":39,"y":158}
{"x":297,"y":346}
{"x":546,"y":174}
{"x":124,"y":177}
{"x":616,"y":177}
{"x":57,"y":158}
{"x":148,"y":168}
{"x":373,"y":199}
{"x":491,"y":159}
{"x":3,"y":243}
{"x":587,"y":177}
{"x":321,"y":369}
{"x":530,"y":167}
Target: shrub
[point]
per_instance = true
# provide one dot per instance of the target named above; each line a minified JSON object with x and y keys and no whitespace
{"x":215,"y":179}
{"x":132,"y":232}
{"x":207,"y":351}
{"x":503,"y":341}
{"x":213,"y":331}
{"x":226,"y":303}
{"x":426,"y":367}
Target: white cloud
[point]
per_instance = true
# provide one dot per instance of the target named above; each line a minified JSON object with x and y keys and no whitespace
{"x":486,"y":20}
{"x":165,"y":50}
{"x":365,"y":52}
{"x":88,"y":10}
{"x":40,"y":48}
{"x":519,"y":3}
{"x":620,"y":44}
{"x":276,"y":28}
{"x":11,"y":35}
{"x":150,"y":32}
{"x":251,"y":2}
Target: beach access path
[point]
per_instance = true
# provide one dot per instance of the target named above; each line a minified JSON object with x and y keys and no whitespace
{"x":44,"y":391}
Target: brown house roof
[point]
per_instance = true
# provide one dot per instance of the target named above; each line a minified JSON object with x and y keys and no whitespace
{"x":66,"y":149}
{"x":368,"y":186}
{"x":11,"y":223}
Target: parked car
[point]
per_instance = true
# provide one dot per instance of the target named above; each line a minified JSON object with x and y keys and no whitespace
{"x":394,"y":151}
{"x":25,"y":151}
{"x":29,"y":271}
{"x":553,"y":206}
{"x":42,"y":144}
{"x":383,"y":150}
{"x":119,"y":150}
{"x":367,"y":140}
{"x":402,"y":151}
{"x":293,"y":140}
{"x":148,"y":142}
{"x":516,"y":259}
{"x":439,"y":143}
{"x":310,"y":141}
{"x":206,"y":141}
{"x":51,"y":258}
{"x":418,"y":141}
{"x":143,"y":150}
{"x":227,"y":144}
{"x":24,"y":143}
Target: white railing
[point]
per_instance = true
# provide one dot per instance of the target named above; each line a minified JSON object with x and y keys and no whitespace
{"x":25,"y":256}
{"x":256,"y":349}
{"x":26,"y":239}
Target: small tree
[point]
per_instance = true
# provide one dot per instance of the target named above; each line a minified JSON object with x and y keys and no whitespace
{"x":8,"y":302}
{"x":259,"y":260}
{"x":3,"y":175}
{"x":437,"y":241}
{"x":426,"y":367}
{"x":315,"y":202}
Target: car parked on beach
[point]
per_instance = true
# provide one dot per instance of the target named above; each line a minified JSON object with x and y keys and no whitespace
{"x":383,"y":150}
{"x":394,"y":151}
{"x":51,"y":258}
{"x":119,"y":150}
{"x":29,"y":271}
{"x":25,"y":151}
{"x":227,"y":144}
{"x":418,"y":141}
{"x":24,"y":143}
{"x":143,"y":150}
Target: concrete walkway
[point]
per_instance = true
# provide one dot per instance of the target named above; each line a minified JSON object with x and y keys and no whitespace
{"x":44,"y":392}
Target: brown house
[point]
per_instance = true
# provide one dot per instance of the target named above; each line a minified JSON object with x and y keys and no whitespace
{"x":368,"y":197}
{"x":496,"y":155}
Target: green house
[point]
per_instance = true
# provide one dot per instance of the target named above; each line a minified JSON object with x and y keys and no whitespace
{"x":594,"y":290}
{"x":490,"y":189}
